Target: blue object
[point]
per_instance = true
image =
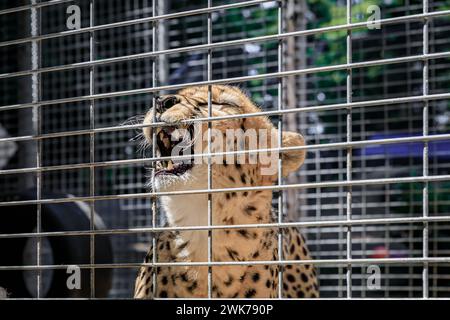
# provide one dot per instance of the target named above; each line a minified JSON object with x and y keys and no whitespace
{"x":439,"y":149}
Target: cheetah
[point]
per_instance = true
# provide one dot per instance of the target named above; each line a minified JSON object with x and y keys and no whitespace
{"x":228,"y":208}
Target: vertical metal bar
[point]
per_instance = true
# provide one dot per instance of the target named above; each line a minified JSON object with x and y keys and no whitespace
{"x":209,"y":77}
{"x":92,"y":144}
{"x":349,"y":150}
{"x":280,"y":141}
{"x":36,"y":96}
{"x":153,"y":163}
{"x":425,"y":203}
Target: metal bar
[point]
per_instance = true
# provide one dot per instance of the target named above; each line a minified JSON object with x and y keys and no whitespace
{"x":360,"y":104}
{"x":275,"y":225}
{"x":332,"y":184}
{"x":154,"y":200}
{"x":34,"y":5}
{"x":336,"y":145}
{"x":92,"y":55}
{"x":126,"y":23}
{"x":349,"y":149}
{"x":318,"y":262}
{"x":425,"y":204}
{"x":209,"y":177}
{"x":236,"y":79}
{"x":280,"y":144}
{"x":35,"y":97}
{"x":223,"y":44}
{"x":218,"y":45}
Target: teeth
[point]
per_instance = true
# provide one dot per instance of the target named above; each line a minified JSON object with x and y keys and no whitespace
{"x":170,"y":165}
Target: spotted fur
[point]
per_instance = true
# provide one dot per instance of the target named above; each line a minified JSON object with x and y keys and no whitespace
{"x":228,"y":208}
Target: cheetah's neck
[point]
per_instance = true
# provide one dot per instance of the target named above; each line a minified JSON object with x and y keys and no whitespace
{"x":189,"y":210}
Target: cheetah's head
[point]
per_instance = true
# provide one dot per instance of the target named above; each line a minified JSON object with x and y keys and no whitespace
{"x":182,"y":137}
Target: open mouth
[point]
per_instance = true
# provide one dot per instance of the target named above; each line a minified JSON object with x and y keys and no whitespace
{"x":173,"y":142}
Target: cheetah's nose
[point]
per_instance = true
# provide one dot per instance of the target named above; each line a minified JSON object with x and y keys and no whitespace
{"x":165,"y":102}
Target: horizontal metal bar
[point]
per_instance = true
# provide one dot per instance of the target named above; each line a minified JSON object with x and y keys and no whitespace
{"x":217,"y":45}
{"x":275,"y":225}
{"x":35,"y":5}
{"x":334,"y":145}
{"x":126,"y":23}
{"x":399,"y":261}
{"x":313,"y":185}
{"x":233,"y":80}
{"x":368,"y":103}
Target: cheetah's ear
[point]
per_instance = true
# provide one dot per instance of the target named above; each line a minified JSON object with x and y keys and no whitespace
{"x":292,"y":160}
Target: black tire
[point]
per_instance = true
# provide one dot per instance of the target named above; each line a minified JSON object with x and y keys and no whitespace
{"x":65,"y":250}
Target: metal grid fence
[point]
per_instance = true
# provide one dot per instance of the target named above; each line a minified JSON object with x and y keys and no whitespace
{"x":340,"y":230}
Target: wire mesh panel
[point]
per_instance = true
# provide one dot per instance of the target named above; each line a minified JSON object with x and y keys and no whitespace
{"x":370,"y":98}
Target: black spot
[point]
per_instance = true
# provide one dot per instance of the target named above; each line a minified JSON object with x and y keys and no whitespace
{"x":307,"y":266}
{"x":316,"y":287}
{"x":184,"y":277}
{"x":164,"y":280}
{"x":193,"y":286}
{"x":285,"y":286}
{"x":243,"y":233}
{"x":244,"y":181}
{"x":250,"y":293}
{"x":235,"y":295}
{"x":289,"y":266}
{"x":256,"y":254}
{"x":292,"y":249}
{"x":168,"y":245}
{"x":227,"y":196}
{"x":245,"y":193}
{"x":232,"y":253}
{"x":183,"y":245}
{"x":174,"y":279}
{"x":268,"y":283}
{"x":300,"y":294}
{"x":238,"y":165}
{"x":304,"y":277}
{"x":305,"y":252}
{"x":289,"y":296}
{"x":225,"y":163}
{"x":231,"y":178}
{"x":147,"y":280}
{"x":233,"y":194}
{"x":314,"y":295}
{"x":147,"y":291}
{"x":255,"y":277}
{"x":249,"y":210}
{"x":290,"y":278}
{"x":163,"y":294}
{"x":161,"y":246}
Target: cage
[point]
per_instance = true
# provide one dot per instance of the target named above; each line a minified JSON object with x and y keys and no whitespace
{"x":371,"y":100}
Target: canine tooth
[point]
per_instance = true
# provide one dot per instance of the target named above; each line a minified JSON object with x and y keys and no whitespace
{"x":170,"y":165}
